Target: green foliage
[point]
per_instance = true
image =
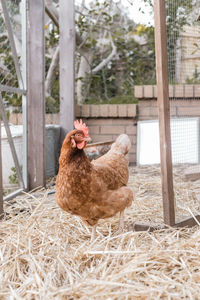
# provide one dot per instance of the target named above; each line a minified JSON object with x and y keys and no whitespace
{"x":52,"y":101}
{"x":120,"y":99}
{"x":195,"y":78}
{"x":8,"y":114}
{"x":52,"y":38}
{"x":8,"y":74}
{"x":13,"y":179}
{"x":52,"y":106}
{"x":135,"y":65}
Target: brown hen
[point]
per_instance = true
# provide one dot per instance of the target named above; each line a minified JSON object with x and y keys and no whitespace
{"x":93,"y":190}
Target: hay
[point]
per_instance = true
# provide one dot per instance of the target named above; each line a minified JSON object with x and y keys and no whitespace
{"x":47,"y":254}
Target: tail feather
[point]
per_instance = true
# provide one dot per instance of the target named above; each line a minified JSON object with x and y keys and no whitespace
{"x":122,"y":144}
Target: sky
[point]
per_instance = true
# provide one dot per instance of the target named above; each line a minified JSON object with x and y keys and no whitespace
{"x":138,"y":11}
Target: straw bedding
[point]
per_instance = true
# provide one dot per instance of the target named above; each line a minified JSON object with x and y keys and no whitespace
{"x":47,"y":254}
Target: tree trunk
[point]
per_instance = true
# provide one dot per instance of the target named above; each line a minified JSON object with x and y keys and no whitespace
{"x":84,"y":75}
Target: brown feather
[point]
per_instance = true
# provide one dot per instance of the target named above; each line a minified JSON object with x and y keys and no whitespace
{"x":92,"y":190}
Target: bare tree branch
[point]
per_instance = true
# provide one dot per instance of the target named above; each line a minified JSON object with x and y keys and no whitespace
{"x":51,"y":71}
{"x":107,"y":59}
{"x":53,"y":14}
{"x":83,"y":76}
{"x":52,"y":10}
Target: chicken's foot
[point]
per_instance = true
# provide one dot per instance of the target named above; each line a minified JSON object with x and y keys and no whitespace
{"x":94,"y":233}
{"x":121,"y":221}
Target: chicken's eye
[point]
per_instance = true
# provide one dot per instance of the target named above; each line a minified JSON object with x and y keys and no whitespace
{"x":79,"y":135}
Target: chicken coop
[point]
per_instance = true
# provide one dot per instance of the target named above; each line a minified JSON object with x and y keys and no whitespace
{"x":57,"y":58}
{"x":175,"y":81}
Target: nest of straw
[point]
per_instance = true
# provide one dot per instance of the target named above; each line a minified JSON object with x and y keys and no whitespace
{"x":46,"y":253}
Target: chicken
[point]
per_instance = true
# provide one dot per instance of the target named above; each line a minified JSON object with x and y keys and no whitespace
{"x":93,"y":190}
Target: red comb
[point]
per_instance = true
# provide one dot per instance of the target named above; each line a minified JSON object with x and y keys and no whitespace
{"x":81,"y":126}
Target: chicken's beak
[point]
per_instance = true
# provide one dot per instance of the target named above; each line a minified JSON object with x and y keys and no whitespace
{"x":87,"y":139}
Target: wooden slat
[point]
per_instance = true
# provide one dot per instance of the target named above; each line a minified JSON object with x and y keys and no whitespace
{"x":190,"y":222}
{"x":1,"y":180}
{"x":67,"y":49}
{"x":23,"y":12}
{"x":164,"y":114}
{"x":192,"y":173}
{"x":11,"y":89}
{"x":146,"y":227}
{"x":35,"y":99}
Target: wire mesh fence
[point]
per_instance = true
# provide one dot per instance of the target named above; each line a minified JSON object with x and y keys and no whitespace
{"x":183,"y":37}
{"x":8,"y":74}
{"x":11,"y":86}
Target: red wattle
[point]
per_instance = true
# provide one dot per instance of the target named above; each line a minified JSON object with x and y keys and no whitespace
{"x":80,"y":145}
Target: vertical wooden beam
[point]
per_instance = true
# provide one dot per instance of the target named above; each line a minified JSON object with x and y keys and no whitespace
{"x":67,"y":49}
{"x":164,"y":111}
{"x":35,"y":94}
{"x":23,"y":12}
{"x":1,"y":180}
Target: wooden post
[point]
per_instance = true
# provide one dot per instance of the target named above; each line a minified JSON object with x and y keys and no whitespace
{"x":1,"y":180}
{"x":35,"y":96}
{"x":164,"y":111}
{"x":67,"y":49}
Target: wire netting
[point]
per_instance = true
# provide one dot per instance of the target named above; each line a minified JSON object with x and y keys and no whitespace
{"x":12,"y":101}
{"x":8,"y":74}
{"x":183,"y":41}
{"x":183,"y":36}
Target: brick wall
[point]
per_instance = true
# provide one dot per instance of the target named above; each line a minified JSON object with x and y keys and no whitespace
{"x":182,"y":91}
{"x":148,"y":110}
{"x":106,"y":122}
